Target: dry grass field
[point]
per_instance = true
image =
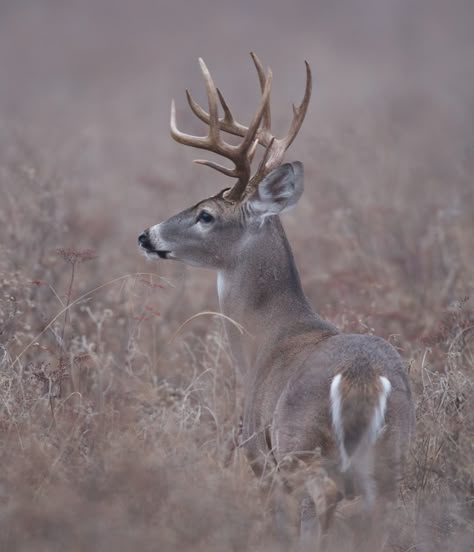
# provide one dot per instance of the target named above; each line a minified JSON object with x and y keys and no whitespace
{"x":116,"y":415}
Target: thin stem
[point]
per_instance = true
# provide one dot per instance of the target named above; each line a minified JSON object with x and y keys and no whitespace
{"x":66,"y":313}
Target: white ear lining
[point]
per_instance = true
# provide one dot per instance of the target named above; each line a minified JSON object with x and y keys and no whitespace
{"x":278,"y":191}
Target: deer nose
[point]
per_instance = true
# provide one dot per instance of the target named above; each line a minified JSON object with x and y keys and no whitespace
{"x":144,"y":239}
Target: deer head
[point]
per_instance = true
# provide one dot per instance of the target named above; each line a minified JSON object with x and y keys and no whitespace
{"x":210,"y":233}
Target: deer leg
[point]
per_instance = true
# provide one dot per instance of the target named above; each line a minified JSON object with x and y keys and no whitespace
{"x":317,"y":495}
{"x":376,"y":474}
{"x":281,"y":516}
{"x":371,"y":528}
{"x":317,"y":509}
{"x":310,"y":526}
{"x":368,"y":526}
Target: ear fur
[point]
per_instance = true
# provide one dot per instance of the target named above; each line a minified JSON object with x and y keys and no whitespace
{"x":278,"y":191}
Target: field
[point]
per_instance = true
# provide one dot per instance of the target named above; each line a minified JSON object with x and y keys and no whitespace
{"x":117,"y":403}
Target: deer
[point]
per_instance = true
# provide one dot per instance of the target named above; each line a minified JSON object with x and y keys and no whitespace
{"x":312,"y":394}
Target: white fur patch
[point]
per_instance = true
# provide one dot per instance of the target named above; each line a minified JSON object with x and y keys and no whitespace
{"x":336,"y":415}
{"x":377,"y":422}
{"x":221,"y":287}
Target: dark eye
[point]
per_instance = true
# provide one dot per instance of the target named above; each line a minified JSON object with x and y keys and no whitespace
{"x":205,"y":217}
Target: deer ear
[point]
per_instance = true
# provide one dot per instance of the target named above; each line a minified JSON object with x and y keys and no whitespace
{"x":278,"y":191}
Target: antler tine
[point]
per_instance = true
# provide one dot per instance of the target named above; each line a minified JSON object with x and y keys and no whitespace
{"x":267,"y":118}
{"x":299,"y":112}
{"x":182,"y":137}
{"x":228,"y":117}
{"x":224,"y":170}
{"x":212,"y":102}
{"x":253,"y":127}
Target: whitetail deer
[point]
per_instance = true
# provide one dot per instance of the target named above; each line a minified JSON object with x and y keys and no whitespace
{"x":307,"y":386}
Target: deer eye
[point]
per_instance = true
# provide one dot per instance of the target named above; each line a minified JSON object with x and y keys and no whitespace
{"x":205,"y":217}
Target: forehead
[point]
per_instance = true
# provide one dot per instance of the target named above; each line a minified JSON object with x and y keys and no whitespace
{"x":217,"y":203}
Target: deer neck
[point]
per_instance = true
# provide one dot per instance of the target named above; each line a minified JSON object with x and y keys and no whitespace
{"x":262,"y":292}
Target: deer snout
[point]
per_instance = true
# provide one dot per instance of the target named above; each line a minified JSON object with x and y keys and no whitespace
{"x":144,"y":240}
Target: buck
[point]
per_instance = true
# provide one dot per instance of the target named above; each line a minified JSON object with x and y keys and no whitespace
{"x":311,"y":393}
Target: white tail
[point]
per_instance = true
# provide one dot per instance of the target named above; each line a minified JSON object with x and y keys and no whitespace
{"x":369,"y":434}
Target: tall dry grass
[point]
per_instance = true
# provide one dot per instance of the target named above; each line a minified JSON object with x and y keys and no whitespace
{"x":116,"y":419}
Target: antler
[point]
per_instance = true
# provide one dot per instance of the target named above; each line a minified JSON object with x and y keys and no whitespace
{"x":258,"y":132}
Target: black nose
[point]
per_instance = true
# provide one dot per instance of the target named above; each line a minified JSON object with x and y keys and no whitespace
{"x":144,"y":239}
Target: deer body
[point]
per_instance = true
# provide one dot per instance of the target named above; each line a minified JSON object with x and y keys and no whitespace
{"x":307,"y":387}
{"x":291,"y":356}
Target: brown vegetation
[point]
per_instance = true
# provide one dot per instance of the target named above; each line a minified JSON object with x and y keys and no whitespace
{"x":116,"y":419}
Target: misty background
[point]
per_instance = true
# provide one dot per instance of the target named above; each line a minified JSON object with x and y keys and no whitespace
{"x":90,"y":83}
{"x":114,"y":416}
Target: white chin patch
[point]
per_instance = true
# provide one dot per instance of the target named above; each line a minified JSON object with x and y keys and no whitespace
{"x":149,"y":255}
